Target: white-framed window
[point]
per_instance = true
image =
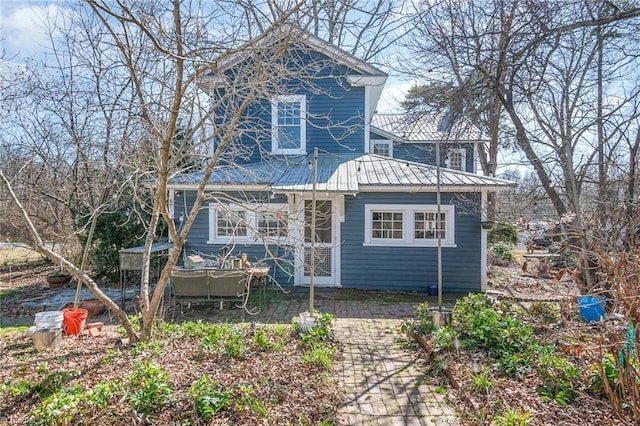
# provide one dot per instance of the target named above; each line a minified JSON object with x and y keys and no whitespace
{"x":427,"y":226}
{"x":247,"y":223}
{"x":228,"y":222}
{"x":457,"y":159}
{"x":387,"y":225}
{"x":409,"y":225}
{"x":272,"y":222}
{"x":289,"y":124}
{"x":382,"y":147}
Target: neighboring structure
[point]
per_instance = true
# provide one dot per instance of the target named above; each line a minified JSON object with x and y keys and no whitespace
{"x":376,"y":215}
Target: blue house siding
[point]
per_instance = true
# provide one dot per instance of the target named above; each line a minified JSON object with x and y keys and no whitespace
{"x":279,"y":258}
{"x":411,"y":268}
{"x":335,"y":113}
{"x":426,"y":153}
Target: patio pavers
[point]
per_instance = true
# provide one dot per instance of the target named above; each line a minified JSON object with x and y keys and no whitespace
{"x":382,"y":382}
{"x":383,"y":386}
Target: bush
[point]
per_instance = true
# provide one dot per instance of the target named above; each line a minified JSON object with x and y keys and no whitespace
{"x":503,"y":232}
{"x":149,"y":391}
{"x":503,"y":251}
{"x":421,"y":324}
{"x":496,"y":328}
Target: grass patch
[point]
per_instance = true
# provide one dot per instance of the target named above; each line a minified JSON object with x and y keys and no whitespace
{"x":12,"y":330}
{"x":18,"y":256}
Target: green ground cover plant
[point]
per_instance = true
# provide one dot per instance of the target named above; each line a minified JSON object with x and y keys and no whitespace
{"x":190,"y":373}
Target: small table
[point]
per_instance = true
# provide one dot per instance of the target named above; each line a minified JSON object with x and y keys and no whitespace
{"x":543,"y":267}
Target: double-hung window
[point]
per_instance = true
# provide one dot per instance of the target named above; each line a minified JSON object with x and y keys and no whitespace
{"x":409,"y":225}
{"x":229,"y":223}
{"x":289,"y":124}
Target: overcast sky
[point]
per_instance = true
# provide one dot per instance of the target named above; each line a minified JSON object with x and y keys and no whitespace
{"x":22,"y":36}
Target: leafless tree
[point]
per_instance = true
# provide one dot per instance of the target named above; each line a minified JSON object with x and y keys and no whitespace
{"x":145,"y":113}
{"x":540,"y":67}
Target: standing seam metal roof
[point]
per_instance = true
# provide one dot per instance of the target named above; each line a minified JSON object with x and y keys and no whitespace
{"x":340,"y":173}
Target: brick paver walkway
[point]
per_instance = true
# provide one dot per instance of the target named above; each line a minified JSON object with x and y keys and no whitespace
{"x":382,"y":383}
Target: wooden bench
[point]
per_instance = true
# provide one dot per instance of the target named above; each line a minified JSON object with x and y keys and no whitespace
{"x":208,"y":285}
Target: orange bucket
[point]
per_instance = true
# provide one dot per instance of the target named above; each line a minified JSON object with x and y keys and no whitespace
{"x":73,"y":320}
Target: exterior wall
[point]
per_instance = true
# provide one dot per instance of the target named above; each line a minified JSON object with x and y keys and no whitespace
{"x":425,"y":153}
{"x":335,"y":113}
{"x":277,"y":257}
{"x":412,"y":268}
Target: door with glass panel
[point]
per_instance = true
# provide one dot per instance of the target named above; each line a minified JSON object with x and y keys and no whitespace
{"x":325,"y":247}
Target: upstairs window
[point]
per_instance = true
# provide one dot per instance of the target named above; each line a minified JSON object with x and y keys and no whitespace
{"x":457,"y":159}
{"x":289,"y":124}
{"x":382,"y":147}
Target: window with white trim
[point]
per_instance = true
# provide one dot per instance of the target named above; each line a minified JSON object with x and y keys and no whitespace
{"x":427,"y":226}
{"x":273,"y":222}
{"x":382,"y":147}
{"x":387,"y":225}
{"x":245,"y":223}
{"x":457,"y":159}
{"x":289,"y":124}
{"x":409,"y":225}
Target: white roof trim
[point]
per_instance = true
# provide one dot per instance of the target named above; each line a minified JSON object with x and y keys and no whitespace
{"x":210,"y":80}
{"x":367,"y":80}
{"x":386,"y":134}
{"x":432,"y":188}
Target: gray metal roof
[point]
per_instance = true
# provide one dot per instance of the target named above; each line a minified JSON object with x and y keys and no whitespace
{"x":350,"y":173}
{"x":414,"y":127}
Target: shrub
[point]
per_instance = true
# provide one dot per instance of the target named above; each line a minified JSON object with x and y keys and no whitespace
{"x":503,"y":232}
{"x":496,"y":328}
{"x":558,"y":377}
{"x":421,"y":324}
{"x":321,"y":332}
{"x":225,"y":339}
{"x":503,"y":251}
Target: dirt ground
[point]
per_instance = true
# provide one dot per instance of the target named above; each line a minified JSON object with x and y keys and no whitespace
{"x":25,"y":292}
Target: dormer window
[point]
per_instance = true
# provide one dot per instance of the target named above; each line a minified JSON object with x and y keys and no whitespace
{"x":457,"y":159}
{"x":382,"y":147}
{"x":289,"y":124}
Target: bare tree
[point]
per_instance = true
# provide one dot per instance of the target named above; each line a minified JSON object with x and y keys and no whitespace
{"x":182,"y":78}
{"x":539,"y":66}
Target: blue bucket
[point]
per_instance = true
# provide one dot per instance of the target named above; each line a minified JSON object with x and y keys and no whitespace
{"x":432,"y":290}
{"x":591,"y":307}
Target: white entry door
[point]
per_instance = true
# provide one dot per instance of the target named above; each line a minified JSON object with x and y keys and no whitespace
{"x":326,"y":249}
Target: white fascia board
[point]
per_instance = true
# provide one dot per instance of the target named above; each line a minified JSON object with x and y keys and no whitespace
{"x":447,"y":141}
{"x":431,"y":188}
{"x":374,"y":84}
{"x":387,"y":135}
{"x":221,"y":188}
{"x":367,"y":80}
